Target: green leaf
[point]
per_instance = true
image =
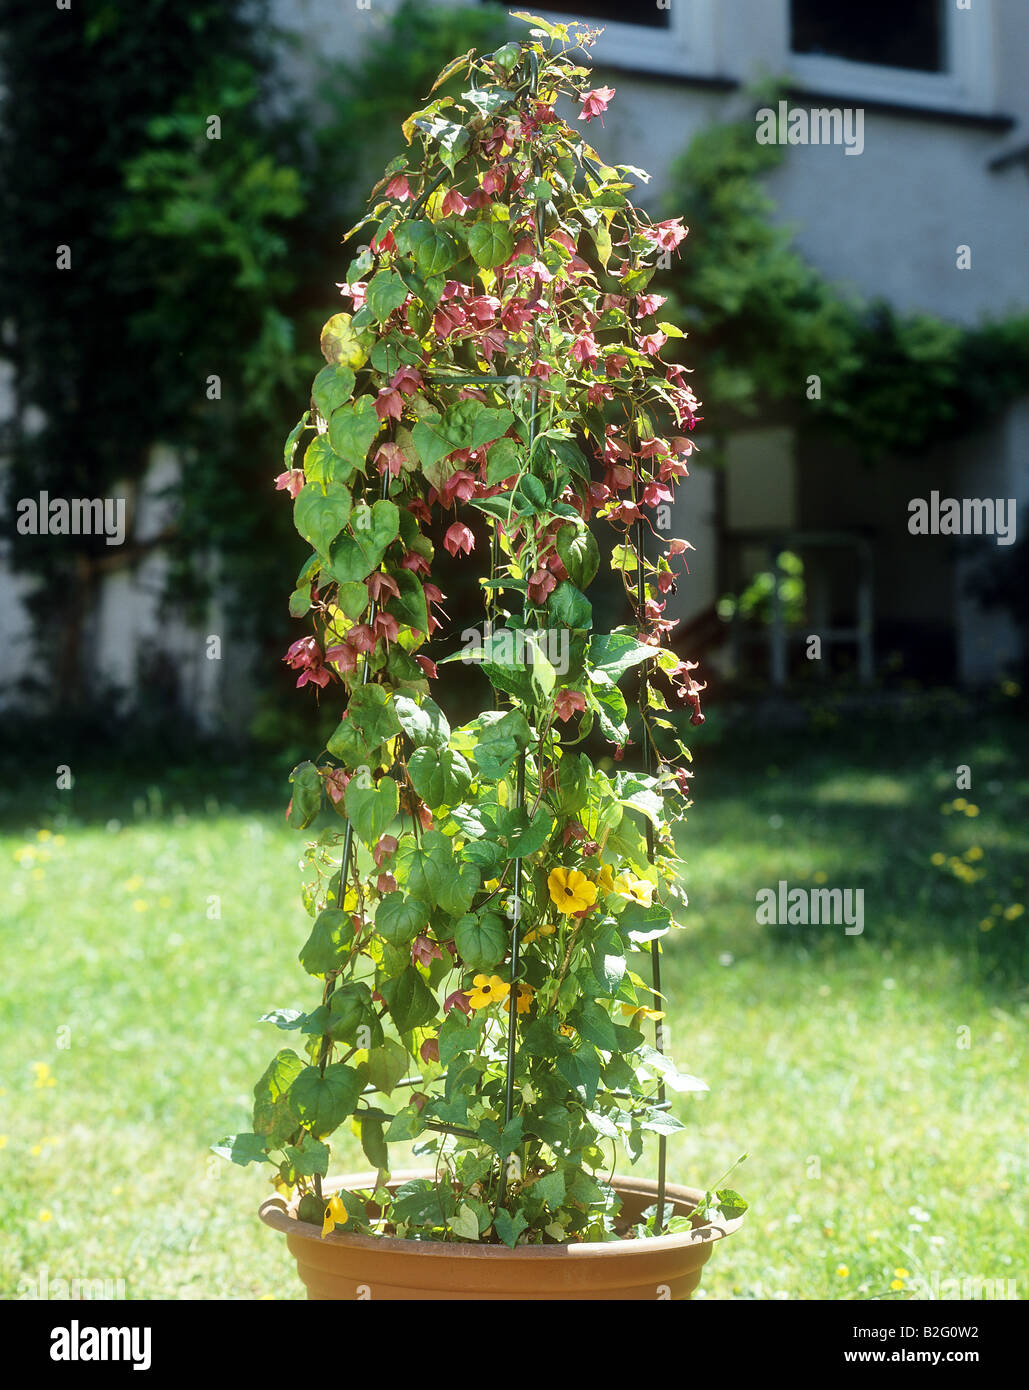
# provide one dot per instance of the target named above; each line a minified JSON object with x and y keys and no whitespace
{"x":459,"y":1034}
{"x":306,"y":801}
{"x":375,"y":1148}
{"x":326,"y":947}
{"x":320,"y":513}
{"x":614,"y":653}
{"x":371,"y":710}
{"x":490,"y":243}
{"x":323,"y":465}
{"x":509,"y":1227}
{"x":550,"y":1189}
{"x":491,"y":424}
{"x":387,"y":1065}
{"x":385,"y":293}
{"x":730,"y":1203}
{"x":436,"y":436}
{"x":324,"y":1100}
{"x":274,"y":1117}
{"x":399,"y":918}
{"x":304,"y":1160}
{"x":372,"y":530}
{"x":500,"y":741}
{"x":342,"y":344}
{"x":433,"y":247}
{"x":439,"y":776}
{"x":371,"y":809}
{"x":579,"y":554}
{"x":411,"y":1004}
{"x":409,"y":606}
{"x":395,"y":351}
{"x":289,"y":448}
{"x":333,"y":386}
{"x":464,"y":1223}
{"x":569,"y":607}
{"x":243,"y":1149}
{"x":504,"y":460}
{"x":422,"y":721}
{"x":407,"y":1124}
{"x":481,"y":941}
{"x":525,"y":836}
{"x":352,"y":429}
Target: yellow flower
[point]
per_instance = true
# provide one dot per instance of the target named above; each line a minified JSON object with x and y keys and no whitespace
{"x":971,"y":810}
{"x":140,"y":905}
{"x":46,"y":1214}
{"x":637,"y":1012}
{"x":43,"y":1077}
{"x":938,"y":859}
{"x":606,"y":878}
{"x":571,"y":891}
{"x":959,"y":803}
{"x":3,"y":1141}
{"x":545,"y":929}
{"x":634,"y":890}
{"x":986,"y":924}
{"x":525,"y":993}
{"x":974,"y":853}
{"x":566,"y":1030}
{"x":897,"y":1284}
{"x":492,"y":884}
{"x":44,"y":835}
{"x":335,"y":1212}
{"x":133,"y":884}
{"x":1015,"y":910}
{"x":843,"y":1271}
{"x":488,"y":989}
{"x":901,"y":1274}
{"x":36,"y":1150}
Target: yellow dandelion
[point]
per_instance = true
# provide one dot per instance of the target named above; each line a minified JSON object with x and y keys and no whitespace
{"x":843,"y":1272}
{"x":36,"y":1150}
{"x":571,"y":891}
{"x":901,"y":1274}
{"x":897,"y":1284}
{"x":140,"y":905}
{"x":46,"y":1214}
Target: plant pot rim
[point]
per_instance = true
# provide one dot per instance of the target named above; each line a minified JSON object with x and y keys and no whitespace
{"x":281,"y":1214}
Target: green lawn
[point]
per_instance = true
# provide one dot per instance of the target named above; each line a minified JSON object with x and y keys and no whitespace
{"x":877,"y":1081}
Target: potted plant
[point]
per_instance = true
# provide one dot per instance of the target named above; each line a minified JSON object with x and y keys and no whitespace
{"x":496,"y":384}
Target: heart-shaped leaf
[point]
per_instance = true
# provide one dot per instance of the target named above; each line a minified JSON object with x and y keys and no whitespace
{"x":371,"y":809}
{"x":386,"y":292}
{"x":439,"y":776}
{"x":352,"y":429}
{"x":320,"y":513}
{"x":326,"y":947}
{"x":342,"y":343}
{"x":481,"y":941}
{"x":399,"y":918}
{"x":333,"y":386}
{"x":360,"y":551}
{"x":490,"y":243}
{"x":323,"y":1100}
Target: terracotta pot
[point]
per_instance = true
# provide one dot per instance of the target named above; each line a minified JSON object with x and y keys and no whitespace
{"x":345,"y":1266}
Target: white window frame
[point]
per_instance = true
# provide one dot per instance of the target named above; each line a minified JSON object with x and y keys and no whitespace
{"x":965,"y":84}
{"x":686,"y":46}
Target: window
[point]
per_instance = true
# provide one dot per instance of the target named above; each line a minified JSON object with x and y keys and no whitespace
{"x":919,"y":53}
{"x":910,"y":36}
{"x":617,"y":11}
{"x":673,"y":38}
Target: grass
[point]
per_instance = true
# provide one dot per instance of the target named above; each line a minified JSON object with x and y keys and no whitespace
{"x":877,"y":1081}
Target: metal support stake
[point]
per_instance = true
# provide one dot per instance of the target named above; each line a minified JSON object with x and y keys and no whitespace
{"x":655,"y":945}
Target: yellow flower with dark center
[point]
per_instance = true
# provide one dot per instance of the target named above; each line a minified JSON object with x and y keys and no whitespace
{"x":571,"y":891}
{"x":635,"y":890}
{"x":487,"y":989}
{"x":566,"y":1030}
{"x":335,"y":1214}
{"x":525,"y":993}
{"x":545,"y":929}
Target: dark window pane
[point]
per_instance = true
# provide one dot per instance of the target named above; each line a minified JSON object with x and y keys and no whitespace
{"x":643,"y":12}
{"x":907,"y":35}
